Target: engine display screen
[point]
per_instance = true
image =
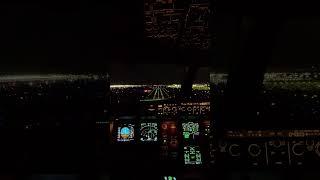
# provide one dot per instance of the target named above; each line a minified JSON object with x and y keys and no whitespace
{"x":190,"y":130}
{"x":192,"y":155}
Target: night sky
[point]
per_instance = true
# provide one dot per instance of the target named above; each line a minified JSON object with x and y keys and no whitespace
{"x":86,"y":36}
{"x":146,"y":73}
{"x":298,"y":42}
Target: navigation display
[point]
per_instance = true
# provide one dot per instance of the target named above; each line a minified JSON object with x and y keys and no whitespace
{"x":149,"y":132}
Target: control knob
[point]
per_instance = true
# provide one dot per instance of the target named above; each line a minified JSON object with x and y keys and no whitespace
{"x":298,"y":148}
{"x":310,"y":145}
{"x":234,"y":150}
{"x":277,"y":143}
{"x":254,"y":150}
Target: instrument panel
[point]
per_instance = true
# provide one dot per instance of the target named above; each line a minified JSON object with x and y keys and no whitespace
{"x":185,"y":133}
{"x":180,"y":138}
{"x":269,"y":152}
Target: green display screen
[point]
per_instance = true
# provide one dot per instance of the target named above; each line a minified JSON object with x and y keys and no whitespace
{"x":192,"y":155}
{"x":169,"y":178}
{"x":190,"y":130}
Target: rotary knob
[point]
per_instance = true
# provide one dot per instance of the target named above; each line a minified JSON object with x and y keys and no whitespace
{"x":234,"y":150}
{"x":254,"y":150}
{"x":310,"y":145}
{"x":277,"y":143}
{"x":298,"y":148}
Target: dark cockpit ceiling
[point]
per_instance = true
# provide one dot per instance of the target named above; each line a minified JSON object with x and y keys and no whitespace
{"x":86,"y":36}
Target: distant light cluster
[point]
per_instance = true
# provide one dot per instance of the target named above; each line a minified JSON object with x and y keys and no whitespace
{"x":203,"y":86}
{"x":36,"y":95}
{"x":273,"y":77}
{"x":148,"y":93}
{"x":218,"y":78}
{"x":290,"y":76}
{"x":49,"y":77}
{"x":115,"y":86}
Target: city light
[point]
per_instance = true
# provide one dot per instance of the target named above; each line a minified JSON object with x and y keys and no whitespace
{"x":47,"y":77}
